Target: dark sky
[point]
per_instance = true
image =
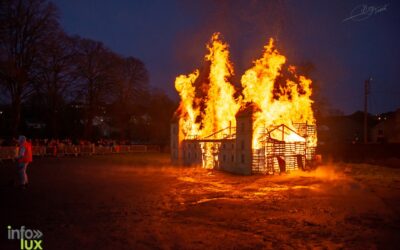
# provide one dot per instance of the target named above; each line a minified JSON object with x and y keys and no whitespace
{"x":170,"y":37}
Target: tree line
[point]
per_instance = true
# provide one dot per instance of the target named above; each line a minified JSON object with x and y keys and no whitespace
{"x":55,"y":85}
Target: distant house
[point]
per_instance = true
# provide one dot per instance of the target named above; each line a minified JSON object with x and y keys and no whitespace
{"x":341,"y":129}
{"x":388,"y":129}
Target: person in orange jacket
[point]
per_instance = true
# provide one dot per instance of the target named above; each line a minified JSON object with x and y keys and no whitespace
{"x":24,"y":158}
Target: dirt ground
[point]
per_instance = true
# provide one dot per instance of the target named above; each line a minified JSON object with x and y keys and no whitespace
{"x":141,"y":202}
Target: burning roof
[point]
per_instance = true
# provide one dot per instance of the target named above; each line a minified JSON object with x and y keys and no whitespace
{"x":276,"y":104}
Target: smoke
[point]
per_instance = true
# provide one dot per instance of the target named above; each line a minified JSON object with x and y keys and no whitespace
{"x":325,"y":172}
{"x":245,"y":25}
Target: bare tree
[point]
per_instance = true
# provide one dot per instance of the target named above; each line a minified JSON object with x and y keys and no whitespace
{"x":131,"y":93}
{"x":160,"y":111}
{"x":24,"y":26}
{"x":54,"y":76}
{"x":95,"y":75}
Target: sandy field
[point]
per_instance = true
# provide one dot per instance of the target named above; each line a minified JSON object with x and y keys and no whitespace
{"x":140,"y":201}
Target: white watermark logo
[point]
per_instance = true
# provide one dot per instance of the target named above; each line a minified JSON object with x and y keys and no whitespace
{"x":362,"y":12}
{"x":30,"y":239}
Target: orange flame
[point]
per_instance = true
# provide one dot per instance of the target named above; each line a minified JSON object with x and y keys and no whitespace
{"x":221,"y":106}
{"x":186,"y":89}
{"x":288,"y":104}
{"x":293,"y":104}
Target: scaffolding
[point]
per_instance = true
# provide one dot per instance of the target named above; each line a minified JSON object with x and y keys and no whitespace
{"x":280,"y":148}
{"x":207,"y":147}
{"x":277,"y":155}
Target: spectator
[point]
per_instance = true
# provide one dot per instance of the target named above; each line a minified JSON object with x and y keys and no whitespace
{"x":24,"y":158}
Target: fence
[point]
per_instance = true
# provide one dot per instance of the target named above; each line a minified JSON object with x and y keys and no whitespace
{"x":75,"y":150}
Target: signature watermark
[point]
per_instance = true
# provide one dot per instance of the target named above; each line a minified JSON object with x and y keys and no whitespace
{"x":29,"y":238}
{"x":363,"y":11}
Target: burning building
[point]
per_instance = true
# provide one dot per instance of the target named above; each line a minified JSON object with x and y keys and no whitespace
{"x":266,"y":125}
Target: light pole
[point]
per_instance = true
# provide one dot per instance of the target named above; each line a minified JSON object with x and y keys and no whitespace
{"x":366,"y":93}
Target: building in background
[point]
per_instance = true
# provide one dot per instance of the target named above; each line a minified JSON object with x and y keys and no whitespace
{"x":388,"y":129}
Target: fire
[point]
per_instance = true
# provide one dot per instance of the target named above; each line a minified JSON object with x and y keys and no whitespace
{"x":221,"y":106}
{"x":185,"y":86}
{"x":209,"y":106}
{"x":293,"y":103}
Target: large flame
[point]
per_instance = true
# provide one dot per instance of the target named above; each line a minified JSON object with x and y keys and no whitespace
{"x":292,"y":103}
{"x":206,"y":111}
{"x":185,"y":86}
{"x":221,"y":106}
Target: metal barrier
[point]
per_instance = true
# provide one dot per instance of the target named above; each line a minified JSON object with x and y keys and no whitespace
{"x":77,"y":150}
{"x":8,"y":152}
{"x":71,"y":150}
{"x":37,"y":150}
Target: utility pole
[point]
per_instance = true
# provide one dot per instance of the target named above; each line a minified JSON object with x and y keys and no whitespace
{"x":366,"y":92}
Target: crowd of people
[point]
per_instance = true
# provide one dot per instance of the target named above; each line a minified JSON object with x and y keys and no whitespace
{"x":58,"y":147}
{"x":22,"y":150}
{"x":66,"y":142}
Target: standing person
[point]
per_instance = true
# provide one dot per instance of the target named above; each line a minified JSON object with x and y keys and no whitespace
{"x":24,"y":158}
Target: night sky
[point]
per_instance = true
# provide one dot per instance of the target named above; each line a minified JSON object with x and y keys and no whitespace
{"x":170,"y":37}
